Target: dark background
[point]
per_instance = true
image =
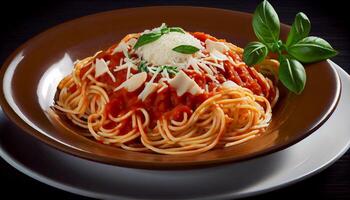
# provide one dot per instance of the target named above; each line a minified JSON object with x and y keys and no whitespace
{"x":19,"y":21}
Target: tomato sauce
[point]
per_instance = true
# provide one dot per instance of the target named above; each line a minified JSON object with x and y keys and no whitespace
{"x":241,"y":75}
{"x":72,"y":89}
{"x":167,"y":103}
{"x":203,"y":36}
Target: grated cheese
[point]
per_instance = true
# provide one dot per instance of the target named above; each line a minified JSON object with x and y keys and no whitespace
{"x":205,"y":68}
{"x":160,"y":52}
{"x":182,"y":83}
{"x":230,"y":84}
{"x":213,"y":45}
{"x":133,"y":83}
{"x":212,"y":78}
{"x":217,"y":55}
{"x":218,"y":65}
{"x":101,"y":67}
{"x":122,"y":47}
{"x":194,"y":64}
{"x":195,"y":89}
{"x":149,"y":89}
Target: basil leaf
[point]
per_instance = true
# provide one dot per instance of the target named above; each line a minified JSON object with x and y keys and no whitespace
{"x":143,"y":67}
{"x":147,"y":38}
{"x":266,"y":24}
{"x":176,"y":29}
{"x":254,"y":53}
{"x":311,"y":49}
{"x":292,"y":74}
{"x":164,"y":30}
{"x":171,"y":29}
{"x":186,"y":49}
{"x":300,"y":29}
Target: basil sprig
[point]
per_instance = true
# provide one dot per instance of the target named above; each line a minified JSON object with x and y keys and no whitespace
{"x":299,"y":47}
{"x":186,"y":49}
{"x":151,"y":37}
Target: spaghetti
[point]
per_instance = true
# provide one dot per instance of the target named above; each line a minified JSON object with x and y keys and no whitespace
{"x":151,"y":99}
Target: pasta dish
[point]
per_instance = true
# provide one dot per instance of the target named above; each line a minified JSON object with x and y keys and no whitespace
{"x":169,"y":91}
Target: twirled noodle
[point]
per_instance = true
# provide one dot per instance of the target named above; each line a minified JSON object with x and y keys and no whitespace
{"x":230,"y":117}
{"x":227,"y":116}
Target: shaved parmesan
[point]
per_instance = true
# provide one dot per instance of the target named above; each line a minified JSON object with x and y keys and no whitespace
{"x":219,"y":46}
{"x":194,"y":64}
{"x":101,"y":67}
{"x":128,"y":72}
{"x":212,"y":78}
{"x":122,"y":47}
{"x":134,"y":82}
{"x":149,"y":89}
{"x":125,"y":66}
{"x":182,"y":83}
{"x":196,"y":89}
{"x":217,"y":55}
{"x":205,"y":68}
{"x":206,"y":88}
{"x":218,"y":65}
{"x":230,"y":84}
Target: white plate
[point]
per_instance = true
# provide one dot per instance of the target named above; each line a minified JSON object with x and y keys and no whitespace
{"x":248,"y":178}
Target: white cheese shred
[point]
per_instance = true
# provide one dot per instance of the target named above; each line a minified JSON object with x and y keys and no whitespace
{"x":101,"y":67}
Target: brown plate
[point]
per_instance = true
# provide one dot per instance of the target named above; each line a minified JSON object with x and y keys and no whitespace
{"x":29,"y":78}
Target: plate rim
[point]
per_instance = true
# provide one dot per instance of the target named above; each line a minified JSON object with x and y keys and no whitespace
{"x":15,"y":118}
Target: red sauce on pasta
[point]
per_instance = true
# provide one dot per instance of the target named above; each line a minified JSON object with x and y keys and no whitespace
{"x":167,"y":103}
{"x":136,"y":101}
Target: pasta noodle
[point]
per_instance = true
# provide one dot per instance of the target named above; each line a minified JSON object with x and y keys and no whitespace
{"x":225,"y":102}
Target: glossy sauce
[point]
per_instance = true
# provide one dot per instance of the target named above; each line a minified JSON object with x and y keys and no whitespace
{"x":166,"y":103}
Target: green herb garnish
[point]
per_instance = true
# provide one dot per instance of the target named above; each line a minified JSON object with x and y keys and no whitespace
{"x":255,"y":52}
{"x":151,"y":37}
{"x":147,"y":38}
{"x":186,"y":49}
{"x":299,"y":47}
{"x":143,"y":67}
{"x":300,"y":29}
{"x":311,"y":49}
{"x":176,"y":29}
{"x":170,"y":69}
{"x":292,"y":74}
{"x":164,"y":30}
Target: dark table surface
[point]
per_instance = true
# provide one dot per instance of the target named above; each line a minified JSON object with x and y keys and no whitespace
{"x":20,"y":21}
